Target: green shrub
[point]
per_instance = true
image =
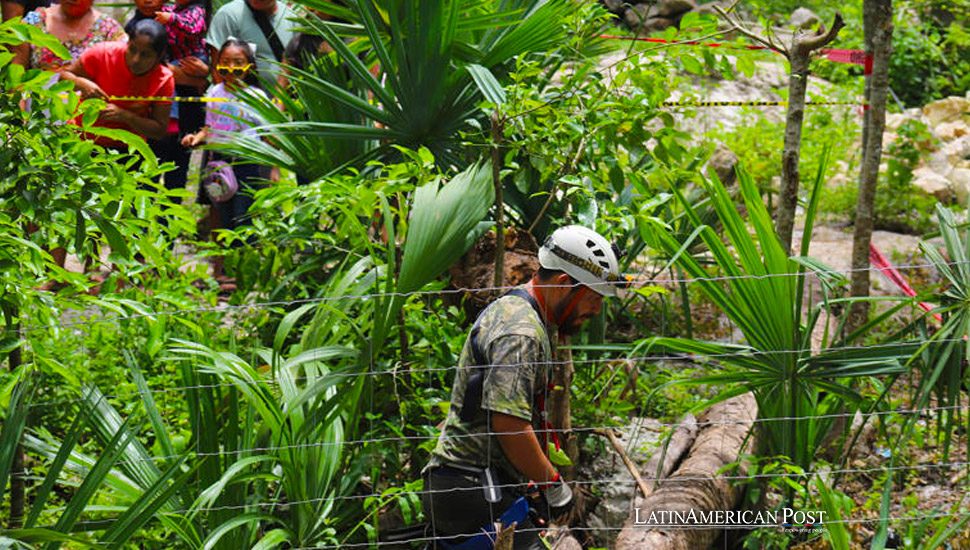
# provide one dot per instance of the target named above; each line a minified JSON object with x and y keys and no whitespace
{"x":931,"y":51}
{"x":899,"y":206}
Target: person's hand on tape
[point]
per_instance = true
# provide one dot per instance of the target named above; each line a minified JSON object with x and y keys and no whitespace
{"x":559,"y":500}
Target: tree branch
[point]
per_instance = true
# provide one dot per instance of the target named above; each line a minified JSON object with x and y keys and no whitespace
{"x":820,"y":38}
{"x":738,"y":26}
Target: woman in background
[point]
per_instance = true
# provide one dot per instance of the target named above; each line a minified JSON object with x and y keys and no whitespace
{"x":76,"y":24}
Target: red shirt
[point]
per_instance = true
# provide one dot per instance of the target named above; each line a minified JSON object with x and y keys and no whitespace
{"x":105,"y":64}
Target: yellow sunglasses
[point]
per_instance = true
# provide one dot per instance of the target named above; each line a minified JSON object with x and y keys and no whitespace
{"x":223,"y":70}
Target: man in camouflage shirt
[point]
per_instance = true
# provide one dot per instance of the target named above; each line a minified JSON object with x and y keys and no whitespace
{"x":489,"y":452}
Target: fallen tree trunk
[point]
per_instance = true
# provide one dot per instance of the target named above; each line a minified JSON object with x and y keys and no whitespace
{"x":696,"y":484}
{"x":662,"y":463}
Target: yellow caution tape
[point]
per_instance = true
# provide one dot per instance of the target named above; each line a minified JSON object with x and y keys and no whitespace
{"x":182,"y":99}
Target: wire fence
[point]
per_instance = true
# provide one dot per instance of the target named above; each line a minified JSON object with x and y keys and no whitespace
{"x":637,"y":356}
{"x":658,"y":281}
{"x":418,"y":439}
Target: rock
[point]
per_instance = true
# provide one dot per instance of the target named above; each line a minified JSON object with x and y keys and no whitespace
{"x":960,"y":184}
{"x":939,"y":162}
{"x":636,"y":16}
{"x":723,"y":162}
{"x":804,"y":18}
{"x":641,"y":439}
{"x":949,"y":131}
{"x":708,"y":8}
{"x":957,"y":151}
{"x":946,"y":110}
{"x":932,"y":183}
{"x":895,"y":120}
{"x":673,"y":8}
{"x":643,"y":18}
{"x":615,"y":6}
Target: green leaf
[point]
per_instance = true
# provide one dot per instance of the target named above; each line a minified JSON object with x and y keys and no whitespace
{"x":117,"y":243}
{"x":557,"y":456}
{"x":487,"y":84}
{"x":273,"y":539}
{"x":745,"y":64}
{"x":13,"y":427}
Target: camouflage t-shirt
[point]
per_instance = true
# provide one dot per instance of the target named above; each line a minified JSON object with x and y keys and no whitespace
{"x":518,"y":349}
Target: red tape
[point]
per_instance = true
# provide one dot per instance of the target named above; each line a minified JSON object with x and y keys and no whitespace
{"x":880,"y":262}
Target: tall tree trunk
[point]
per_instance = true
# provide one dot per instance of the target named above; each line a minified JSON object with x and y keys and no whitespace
{"x":878,"y":23}
{"x":800,"y":57}
{"x":499,"y":280}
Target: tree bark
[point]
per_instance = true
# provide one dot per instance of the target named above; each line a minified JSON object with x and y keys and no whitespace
{"x":499,"y":280}
{"x":697,"y":484}
{"x":799,"y":57}
{"x":560,"y":411}
{"x":662,"y":463}
{"x":878,"y":23}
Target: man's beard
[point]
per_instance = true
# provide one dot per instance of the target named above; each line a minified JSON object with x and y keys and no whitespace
{"x":571,"y":325}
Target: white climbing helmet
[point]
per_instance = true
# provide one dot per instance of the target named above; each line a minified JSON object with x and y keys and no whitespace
{"x":584,"y":255}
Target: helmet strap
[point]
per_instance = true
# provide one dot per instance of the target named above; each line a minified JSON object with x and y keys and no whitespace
{"x":571,"y":301}
{"x":575,"y":295}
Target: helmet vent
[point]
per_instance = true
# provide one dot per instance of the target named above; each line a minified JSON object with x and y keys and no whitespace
{"x":599,"y":253}
{"x":605,"y":264}
{"x":590,"y":244}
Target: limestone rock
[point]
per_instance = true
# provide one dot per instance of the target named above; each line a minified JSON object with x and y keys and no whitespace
{"x":636,"y":16}
{"x":673,"y":8}
{"x":946,"y":110}
{"x":643,"y":18}
{"x":895,"y":120}
{"x":804,"y":18}
{"x":960,"y":184}
{"x":615,"y":6}
{"x":949,"y":131}
{"x":939,"y":162}
{"x":723,"y":162}
{"x":932,"y":183}
{"x":655,"y":24}
{"x":956,"y":151}
{"x":708,"y":8}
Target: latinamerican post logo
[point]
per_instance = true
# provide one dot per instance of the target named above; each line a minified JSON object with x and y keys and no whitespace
{"x":788,"y":519}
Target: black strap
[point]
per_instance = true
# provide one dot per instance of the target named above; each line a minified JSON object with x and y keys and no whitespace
{"x":472,"y":401}
{"x":268,"y":31}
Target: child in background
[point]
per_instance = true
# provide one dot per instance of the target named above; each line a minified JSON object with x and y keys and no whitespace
{"x":235,"y":65}
{"x":186,"y":23}
{"x":186,"y":26}
{"x":144,"y":9}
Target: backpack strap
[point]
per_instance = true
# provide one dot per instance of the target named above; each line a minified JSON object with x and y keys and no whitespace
{"x":473,"y":391}
{"x":268,"y":31}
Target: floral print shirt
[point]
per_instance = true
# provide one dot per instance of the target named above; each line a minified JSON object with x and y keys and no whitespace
{"x":104,"y":29}
{"x":186,"y":31}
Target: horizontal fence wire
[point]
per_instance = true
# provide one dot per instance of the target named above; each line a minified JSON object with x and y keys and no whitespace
{"x":580,"y":483}
{"x":460,"y":291}
{"x":659,"y":426}
{"x":631,"y":483}
{"x":579,"y":529}
{"x":672,"y":357}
